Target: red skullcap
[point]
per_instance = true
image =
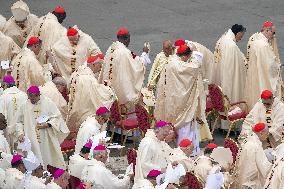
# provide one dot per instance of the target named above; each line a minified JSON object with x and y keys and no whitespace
{"x":258,"y":127}
{"x":154,"y":173}
{"x":122,"y":31}
{"x":72,"y":32}
{"x":212,"y":145}
{"x":266,"y":94}
{"x":59,"y":10}
{"x":92,"y":59}
{"x":179,"y":42}
{"x":100,"y":148}
{"x":33,"y":89}
{"x":33,"y":40}
{"x":267,"y":24}
{"x":185,"y":143}
{"x":182,"y":49}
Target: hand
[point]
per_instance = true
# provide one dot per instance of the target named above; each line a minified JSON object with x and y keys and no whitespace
{"x":199,"y":121}
{"x":151,"y":87}
{"x":42,"y":126}
{"x":175,"y":163}
{"x":131,"y":176}
{"x":48,"y":180}
{"x":21,"y":138}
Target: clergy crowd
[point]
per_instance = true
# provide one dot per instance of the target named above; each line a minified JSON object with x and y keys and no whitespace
{"x":65,"y":106}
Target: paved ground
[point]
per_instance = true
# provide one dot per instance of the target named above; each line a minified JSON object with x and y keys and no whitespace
{"x":155,"y":20}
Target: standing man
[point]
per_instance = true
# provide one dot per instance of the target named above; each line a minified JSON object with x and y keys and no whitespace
{"x":40,"y":120}
{"x":19,"y":26}
{"x":178,"y":97}
{"x":269,"y":110}
{"x":26,"y":68}
{"x":10,"y":101}
{"x":123,"y":70}
{"x":84,"y":85}
{"x":71,"y":51}
{"x":263,"y":67}
{"x":159,"y":63}
{"x":231,"y":63}
{"x":49,"y":30}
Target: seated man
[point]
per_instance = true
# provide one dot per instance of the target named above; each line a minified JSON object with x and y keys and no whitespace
{"x":16,"y":174}
{"x":92,"y":126}
{"x":99,"y":176}
{"x":252,"y":164}
{"x":182,"y":154}
{"x":77,"y":163}
{"x":268,"y":110}
{"x":150,"y":182}
{"x":61,"y":178}
{"x":150,"y":151}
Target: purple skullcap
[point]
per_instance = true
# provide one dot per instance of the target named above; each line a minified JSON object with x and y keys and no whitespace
{"x":8,"y":79}
{"x":34,"y":89}
{"x":16,"y":157}
{"x":161,"y":123}
{"x":100,"y":148}
{"x":58,"y":173}
{"x":154,"y":173}
{"x":102,"y":110}
{"x":88,"y":144}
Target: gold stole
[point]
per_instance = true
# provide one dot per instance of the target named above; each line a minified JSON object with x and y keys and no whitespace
{"x":40,"y":27}
{"x":37,"y":112}
{"x":18,"y":72}
{"x":271,"y":174}
{"x":157,"y":73}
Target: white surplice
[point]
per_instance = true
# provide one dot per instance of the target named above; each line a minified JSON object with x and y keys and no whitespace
{"x":10,"y":101}
{"x":67,"y":58}
{"x":150,"y":155}
{"x":124,"y":71}
{"x":97,"y":174}
{"x":89,"y":128}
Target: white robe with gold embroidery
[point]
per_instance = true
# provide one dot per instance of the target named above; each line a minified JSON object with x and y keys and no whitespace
{"x":86,"y":96}
{"x":18,"y":34}
{"x":252,"y":165}
{"x":76,"y":165}
{"x":49,"y":90}
{"x":13,"y":178}
{"x":231,"y":66}
{"x":45,"y":142}
{"x":180,"y":93}
{"x":67,"y":58}
{"x":263,"y":69}
{"x":150,"y":155}
{"x":160,"y":61}
{"x":275,"y":124}
{"x":49,"y":30}
{"x":27,"y":70}
{"x":10,"y":101}
{"x":125,"y":73}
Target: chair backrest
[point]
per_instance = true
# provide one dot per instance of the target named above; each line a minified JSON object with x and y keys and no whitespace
{"x":234,"y":147}
{"x":131,"y":157}
{"x":193,"y":181}
{"x":217,"y":98}
{"x":115,"y":112}
{"x":143,"y":117}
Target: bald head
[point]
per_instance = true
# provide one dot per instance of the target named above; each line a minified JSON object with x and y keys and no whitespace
{"x":59,"y":81}
{"x":60,"y":84}
{"x":167,"y":48}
